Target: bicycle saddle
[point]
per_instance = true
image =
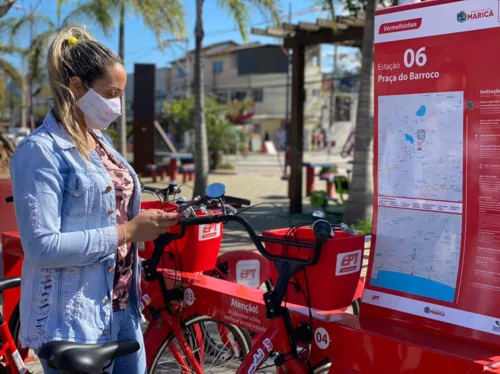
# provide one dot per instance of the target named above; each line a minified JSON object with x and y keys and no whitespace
{"x":84,"y":358}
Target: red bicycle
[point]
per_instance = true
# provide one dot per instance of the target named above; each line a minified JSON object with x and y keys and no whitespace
{"x":180,"y":306}
{"x":172,"y":328}
{"x":10,"y":359}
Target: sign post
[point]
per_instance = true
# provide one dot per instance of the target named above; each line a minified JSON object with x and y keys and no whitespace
{"x":435,"y":259}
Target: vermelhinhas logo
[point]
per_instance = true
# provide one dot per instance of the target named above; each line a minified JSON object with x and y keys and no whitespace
{"x":436,"y":312}
{"x":475,"y":14}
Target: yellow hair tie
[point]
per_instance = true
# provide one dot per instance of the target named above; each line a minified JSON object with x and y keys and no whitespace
{"x":72,"y":41}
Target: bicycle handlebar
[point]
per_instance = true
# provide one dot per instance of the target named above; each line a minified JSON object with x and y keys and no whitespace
{"x":231,"y":200}
{"x":322,"y":230}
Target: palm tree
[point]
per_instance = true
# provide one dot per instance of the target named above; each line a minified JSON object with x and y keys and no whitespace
{"x":8,"y":70}
{"x":5,"y":6}
{"x":161,"y":16}
{"x":239,"y":10}
{"x":360,"y":204}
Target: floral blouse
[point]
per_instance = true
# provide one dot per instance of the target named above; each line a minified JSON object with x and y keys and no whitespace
{"x":124,"y":187}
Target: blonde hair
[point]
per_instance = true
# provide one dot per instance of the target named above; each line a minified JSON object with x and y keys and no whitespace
{"x":74,"y":53}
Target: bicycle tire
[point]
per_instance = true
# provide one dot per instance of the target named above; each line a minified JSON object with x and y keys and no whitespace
{"x":240,"y":336}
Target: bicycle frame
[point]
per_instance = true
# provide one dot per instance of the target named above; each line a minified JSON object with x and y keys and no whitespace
{"x":9,"y":351}
{"x":231,"y":303}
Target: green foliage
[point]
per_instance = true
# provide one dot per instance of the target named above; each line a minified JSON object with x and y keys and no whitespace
{"x":319,"y":199}
{"x":221,"y":135}
{"x":240,"y":10}
{"x":227,"y":166}
{"x":236,"y":108}
{"x":364,"y":227}
{"x":354,"y":7}
{"x":180,"y":114}
{"x":112,"y":133}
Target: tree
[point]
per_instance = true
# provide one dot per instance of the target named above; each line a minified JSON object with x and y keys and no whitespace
{"x":160,"y":16}
{"x":5,"y":6}
{"x":8,"y":70}
{"x":221,"y":135}
{"x":239,"y":10}
{"x":360,"y":205}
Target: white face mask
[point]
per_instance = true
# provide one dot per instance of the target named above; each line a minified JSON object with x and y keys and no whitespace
{"x":99,"y":112}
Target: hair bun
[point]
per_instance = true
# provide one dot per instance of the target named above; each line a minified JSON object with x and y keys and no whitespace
{"x":72,"y":41}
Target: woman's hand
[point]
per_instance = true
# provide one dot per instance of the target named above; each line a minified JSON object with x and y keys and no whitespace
{"x":149,"y":225}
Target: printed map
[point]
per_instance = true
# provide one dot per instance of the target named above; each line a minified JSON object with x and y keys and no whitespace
{"x":417,"y":252}
{"x":420,"y":146}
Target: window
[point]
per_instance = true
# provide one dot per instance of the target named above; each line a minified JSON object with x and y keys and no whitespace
{"x":258,"y":96}
{"x":238,"y":95}
{"x":218,"y":66}
{"x":315,"y":61}
{"x":182,"y":73}
{"x":315,"y":92}
{"x":342,"y":108}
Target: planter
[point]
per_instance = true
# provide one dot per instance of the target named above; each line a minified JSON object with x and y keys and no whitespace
{"x":224,"y":172}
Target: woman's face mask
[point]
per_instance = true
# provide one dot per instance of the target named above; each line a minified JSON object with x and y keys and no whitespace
{"x":99,"y":112}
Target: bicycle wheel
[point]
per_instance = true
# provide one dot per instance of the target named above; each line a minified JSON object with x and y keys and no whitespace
{"x":218,"y":347}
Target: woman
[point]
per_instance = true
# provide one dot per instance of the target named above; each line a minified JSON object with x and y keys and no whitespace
{"x":77,"y":207}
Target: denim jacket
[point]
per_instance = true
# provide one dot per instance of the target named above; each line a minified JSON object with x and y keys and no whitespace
{"x":66,"y":213}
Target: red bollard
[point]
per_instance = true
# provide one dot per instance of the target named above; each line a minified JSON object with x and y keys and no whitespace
{"x":173,"y":169}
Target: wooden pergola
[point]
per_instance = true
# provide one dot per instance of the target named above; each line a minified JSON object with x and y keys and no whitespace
{"x":346,"y":31}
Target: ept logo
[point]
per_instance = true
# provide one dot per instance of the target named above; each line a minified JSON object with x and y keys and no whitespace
{"x":207,"y":232}
{"x":248,"y":273}
{"x":348,"y":263}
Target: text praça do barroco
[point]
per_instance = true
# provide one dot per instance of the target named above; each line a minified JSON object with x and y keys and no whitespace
{"x":387,"y":77}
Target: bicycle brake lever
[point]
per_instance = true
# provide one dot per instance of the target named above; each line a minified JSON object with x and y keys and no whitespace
{"x":189,"y":204}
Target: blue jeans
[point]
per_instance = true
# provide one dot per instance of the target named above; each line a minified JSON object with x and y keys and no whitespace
{"x":124,"y":327}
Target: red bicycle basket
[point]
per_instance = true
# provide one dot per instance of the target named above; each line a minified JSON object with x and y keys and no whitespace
{"x":196,"y":251}
{"x":329,"y":284}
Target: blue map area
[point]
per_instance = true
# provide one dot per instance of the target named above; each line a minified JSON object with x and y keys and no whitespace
{"x":414,"y":285}
{"x":421,"y":111}
{"x":409,"y":139}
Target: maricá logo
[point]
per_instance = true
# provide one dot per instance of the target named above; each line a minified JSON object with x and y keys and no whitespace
{"x":476,"y":14}
{"x":496,"y":326}
{"x":436,"y":312}
{"x":461,"y":17}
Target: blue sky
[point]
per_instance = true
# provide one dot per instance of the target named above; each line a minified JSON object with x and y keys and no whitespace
{"x":140,"y":42}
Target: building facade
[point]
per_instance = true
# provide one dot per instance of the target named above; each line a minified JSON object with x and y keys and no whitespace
{"x":255,"y":72}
